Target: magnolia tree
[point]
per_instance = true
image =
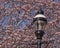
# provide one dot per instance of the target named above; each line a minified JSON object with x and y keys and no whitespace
{"x":16,"y":17}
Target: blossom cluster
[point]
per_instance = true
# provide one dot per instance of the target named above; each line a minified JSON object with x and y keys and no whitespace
{"x":17,"y":15}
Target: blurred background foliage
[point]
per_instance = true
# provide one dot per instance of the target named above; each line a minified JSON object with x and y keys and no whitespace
{"x":17,"y":15}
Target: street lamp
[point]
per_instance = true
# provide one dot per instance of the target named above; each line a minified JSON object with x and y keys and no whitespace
{"x":40,"y":20}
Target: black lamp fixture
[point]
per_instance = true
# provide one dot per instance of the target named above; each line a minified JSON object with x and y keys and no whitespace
{"x":40,"y":20}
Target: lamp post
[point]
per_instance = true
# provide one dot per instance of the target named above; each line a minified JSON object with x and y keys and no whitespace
{"x":40,"y":20}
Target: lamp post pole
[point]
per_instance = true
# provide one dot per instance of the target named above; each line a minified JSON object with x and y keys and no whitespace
{"x":39,"y":34}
